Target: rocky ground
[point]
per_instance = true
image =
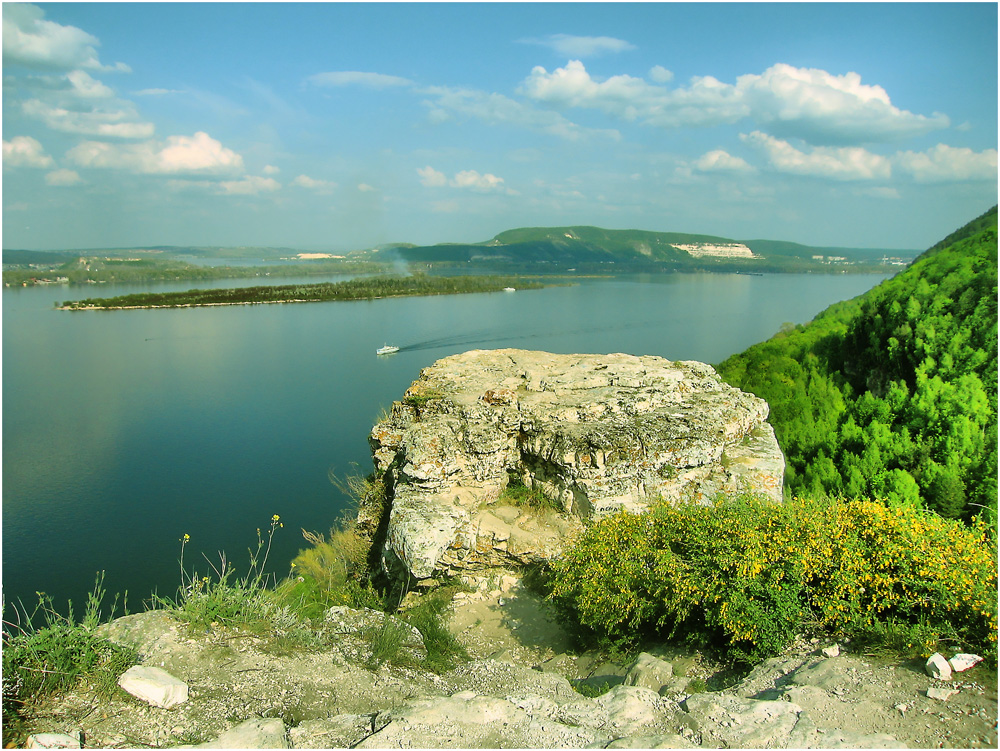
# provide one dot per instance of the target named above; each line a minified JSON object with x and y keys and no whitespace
{"x":250,"y":691}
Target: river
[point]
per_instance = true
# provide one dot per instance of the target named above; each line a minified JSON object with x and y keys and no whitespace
{"x":125,"y":430}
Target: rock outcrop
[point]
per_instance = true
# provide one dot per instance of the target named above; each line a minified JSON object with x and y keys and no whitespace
{"x":598,"y":433}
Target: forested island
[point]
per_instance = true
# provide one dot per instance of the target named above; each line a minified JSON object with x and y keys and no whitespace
{"x":368,"y":288}
{"x":893,"y":395}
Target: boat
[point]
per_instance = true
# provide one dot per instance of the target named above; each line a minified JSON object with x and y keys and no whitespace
{"x":387,"y":349}
{"x":509,"y":289}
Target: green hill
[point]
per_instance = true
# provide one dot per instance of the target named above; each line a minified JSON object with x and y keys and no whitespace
{"x":594,"y":248}
{"x":893,"y":394}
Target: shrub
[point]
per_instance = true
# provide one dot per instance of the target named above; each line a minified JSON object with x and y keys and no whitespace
{"x":752,"y":574}
{"x":518,"y":494}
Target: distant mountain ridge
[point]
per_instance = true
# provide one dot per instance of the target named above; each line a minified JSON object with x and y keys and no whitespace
{"x":590,"y":246}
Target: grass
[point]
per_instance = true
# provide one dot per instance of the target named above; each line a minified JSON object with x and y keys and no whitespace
{"x":39,"y":661}
{"x":518,"y":494}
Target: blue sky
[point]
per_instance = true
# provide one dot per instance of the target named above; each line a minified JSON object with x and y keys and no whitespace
{"x":340,"y":126}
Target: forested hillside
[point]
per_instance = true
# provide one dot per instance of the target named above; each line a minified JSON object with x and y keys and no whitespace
{"x":893,"y":395}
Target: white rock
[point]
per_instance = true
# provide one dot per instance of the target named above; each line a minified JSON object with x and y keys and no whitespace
{"x":52,"y":740}
{"x":649,"y":672}
{"x":963,"y":661}
{"x":154,"y":685}
{"x":938,"y":667}
{"x":832,"y":651}
{"x":941,"y":694}
{"x":255,"y":733}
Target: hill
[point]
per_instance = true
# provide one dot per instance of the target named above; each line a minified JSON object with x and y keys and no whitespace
{"x":595,"y":249}
{"x":893,"y":394}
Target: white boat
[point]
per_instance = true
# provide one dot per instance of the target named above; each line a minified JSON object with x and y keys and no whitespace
{"x":509,"y":289}
{"x":387,"y":349}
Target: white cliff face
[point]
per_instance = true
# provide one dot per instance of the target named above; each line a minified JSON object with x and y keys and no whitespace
{"x":600,"y":433}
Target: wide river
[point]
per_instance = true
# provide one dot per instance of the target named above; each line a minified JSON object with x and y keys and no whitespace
{"x":125,"y":430}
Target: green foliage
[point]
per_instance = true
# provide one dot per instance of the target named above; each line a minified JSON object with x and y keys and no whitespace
{"x":751,"y":574}
{"x":893,"y":394}
{"x":224,"y":598}
{"x":40,"y":661}
{"x":518,"y":494}
{"x":444,"y":651}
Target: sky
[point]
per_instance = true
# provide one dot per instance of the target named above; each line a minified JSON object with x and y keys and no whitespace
{"x":340,"y":126}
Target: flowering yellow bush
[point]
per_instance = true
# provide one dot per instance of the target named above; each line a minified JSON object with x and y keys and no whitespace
{"x":755,"y":573}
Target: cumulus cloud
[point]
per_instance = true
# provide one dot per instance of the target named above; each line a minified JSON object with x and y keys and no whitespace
{"x":116,"y":123}
{"x":569,"y":45}
{"x":358,"y":78}
{"x":365,"y":188}
{"x":198,"y":154}
{"x":447,"y":103}
{"x":843,"y":163}
{"x":30,"y":40}
{"x":88,"y":87}
{"x":721,"y":161}
{"x":466,"y":179}
{"x":659,"y":74}
{"x":431,"y":177}
{"x":944,"y":163}
{"x":817,"y":106}
{"x":827,"y":109}
{"x":320,"y":186}
{"x":25,"y":151}
{"x":248,"y":186}
{"x":62,"y":178}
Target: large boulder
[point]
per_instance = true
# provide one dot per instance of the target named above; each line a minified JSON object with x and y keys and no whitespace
{"x":598,"y":433}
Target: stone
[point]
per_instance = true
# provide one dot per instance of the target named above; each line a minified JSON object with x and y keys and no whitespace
{"x":941,"y":694}
{"x":52,"y":740}
{"x":154,"y":686}
{"x":831,"y":651}
{"x":963,"y":661}
{"x":356,"y":621}
{"x":254,"y":733}
{"x":938,"y":667}
{"x":597,"y":433}
{"x":649,"y":672}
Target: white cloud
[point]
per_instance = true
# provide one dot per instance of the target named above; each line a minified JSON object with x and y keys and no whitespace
{"x":814,"y":105}
{"x":466,"y":179}
{"x":721,"y":161}
{"x":86,"y":86}
{"x":497,"y":109}
{"x":827,"y":109}
{"x":474,"y":181}
{"x":365,"y":188}
{"x":25,"y":151}
{"x":248,"y":186}
{"x":199,"y":154}
{"x":944,"y":163}
{"x":844,"y":163}
{"x":30,"y":40}
{"x":358,"y":78}
{"x":270,"y":169}
{"x":96,"y":122}
{"x":431,"y":177}
{"x":569,"y":45}
{"x":62,"y":177}
{"x":320,"y":186}
{"x":659,"y":74}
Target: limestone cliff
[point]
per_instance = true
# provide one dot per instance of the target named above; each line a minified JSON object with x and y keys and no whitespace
{"x":599,"y":433}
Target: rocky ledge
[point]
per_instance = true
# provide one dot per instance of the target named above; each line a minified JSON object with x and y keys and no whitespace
{"x":598,"y":433}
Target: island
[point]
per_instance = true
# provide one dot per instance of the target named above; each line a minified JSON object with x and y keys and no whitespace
{"x":367,"y":288}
